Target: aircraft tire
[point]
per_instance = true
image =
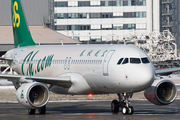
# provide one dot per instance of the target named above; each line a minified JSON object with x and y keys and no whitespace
{"x":125,"y":110}
{"x":130,"y":110}
{"x":42,"y":110}
{"x":115,"y":106}
{"x":31,"y":111}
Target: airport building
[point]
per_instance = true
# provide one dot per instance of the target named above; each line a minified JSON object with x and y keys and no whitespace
{"x":103,"y":20}
{"x":99,"y":21}
{"x":170,"y":18}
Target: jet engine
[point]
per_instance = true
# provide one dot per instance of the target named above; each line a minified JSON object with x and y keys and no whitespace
{"x":33,"y":95}
{"x":161,"y":92}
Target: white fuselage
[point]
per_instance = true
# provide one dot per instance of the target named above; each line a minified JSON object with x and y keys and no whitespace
{"x":98,"y":64}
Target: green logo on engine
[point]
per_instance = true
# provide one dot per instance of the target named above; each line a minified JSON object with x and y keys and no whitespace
{"x":22,"y":95}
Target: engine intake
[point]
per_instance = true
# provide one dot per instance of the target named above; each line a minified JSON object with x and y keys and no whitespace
{"x":33,"y":95}
{"x":161,"y":92}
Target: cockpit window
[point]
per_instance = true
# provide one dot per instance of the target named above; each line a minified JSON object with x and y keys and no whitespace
{"x":120,"y":60}
{"x":125,"y":61}
{"x":145,"y":60}
{"x":135,"y":60}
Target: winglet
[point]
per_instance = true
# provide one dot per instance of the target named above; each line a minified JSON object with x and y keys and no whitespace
{"x":22,"y":35}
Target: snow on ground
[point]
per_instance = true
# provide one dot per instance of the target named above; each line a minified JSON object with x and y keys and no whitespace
{"x":5,"y":83}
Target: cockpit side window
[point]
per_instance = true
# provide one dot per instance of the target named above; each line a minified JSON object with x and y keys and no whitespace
{"x":120,"y":60}
{"x":125,"y":61}
{"x":135,"y":60}
{"x":145,"y":60}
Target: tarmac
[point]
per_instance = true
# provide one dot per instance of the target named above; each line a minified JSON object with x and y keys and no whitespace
{"x":91,"y":110}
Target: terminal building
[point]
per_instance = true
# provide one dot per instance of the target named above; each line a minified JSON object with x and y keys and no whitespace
{"x":100,"y":21}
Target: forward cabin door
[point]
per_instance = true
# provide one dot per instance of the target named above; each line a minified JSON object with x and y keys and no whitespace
{"x":106,"y":62}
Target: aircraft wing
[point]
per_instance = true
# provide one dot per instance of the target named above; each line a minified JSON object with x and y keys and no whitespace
{"x":64,"y":81}
{"x":167,"y":71}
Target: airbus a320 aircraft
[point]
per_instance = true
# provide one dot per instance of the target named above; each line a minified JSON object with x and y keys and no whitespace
{"x":81,"y":70}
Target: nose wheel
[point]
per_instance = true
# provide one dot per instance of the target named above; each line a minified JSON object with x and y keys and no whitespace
{"x":127,"y":110}
{"x":124,"y":103}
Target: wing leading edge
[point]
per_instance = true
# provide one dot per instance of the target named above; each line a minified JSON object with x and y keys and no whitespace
{"x":167,"y":71}
{"x":64,"y":81}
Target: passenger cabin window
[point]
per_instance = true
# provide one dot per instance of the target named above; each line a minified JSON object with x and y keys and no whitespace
{"x":135,"y":60}
{"x":145,"y":60}
{"x":120,"y":60}
{"x":125,"y":61}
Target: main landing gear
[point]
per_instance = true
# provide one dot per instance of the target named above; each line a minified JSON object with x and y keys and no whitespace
{"x":124,"y":103}
{"x":41,"y":110}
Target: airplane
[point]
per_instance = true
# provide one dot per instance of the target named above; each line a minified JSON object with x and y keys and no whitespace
{"x":81,"y":70}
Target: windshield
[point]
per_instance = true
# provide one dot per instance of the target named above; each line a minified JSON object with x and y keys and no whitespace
{"x":135,"y":60}
{"x":120,"y":60}
{"x":125,"y":61}
{"x":145,"y":60}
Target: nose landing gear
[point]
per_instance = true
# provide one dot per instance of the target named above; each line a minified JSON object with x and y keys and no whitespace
{"x":124,"y":103}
